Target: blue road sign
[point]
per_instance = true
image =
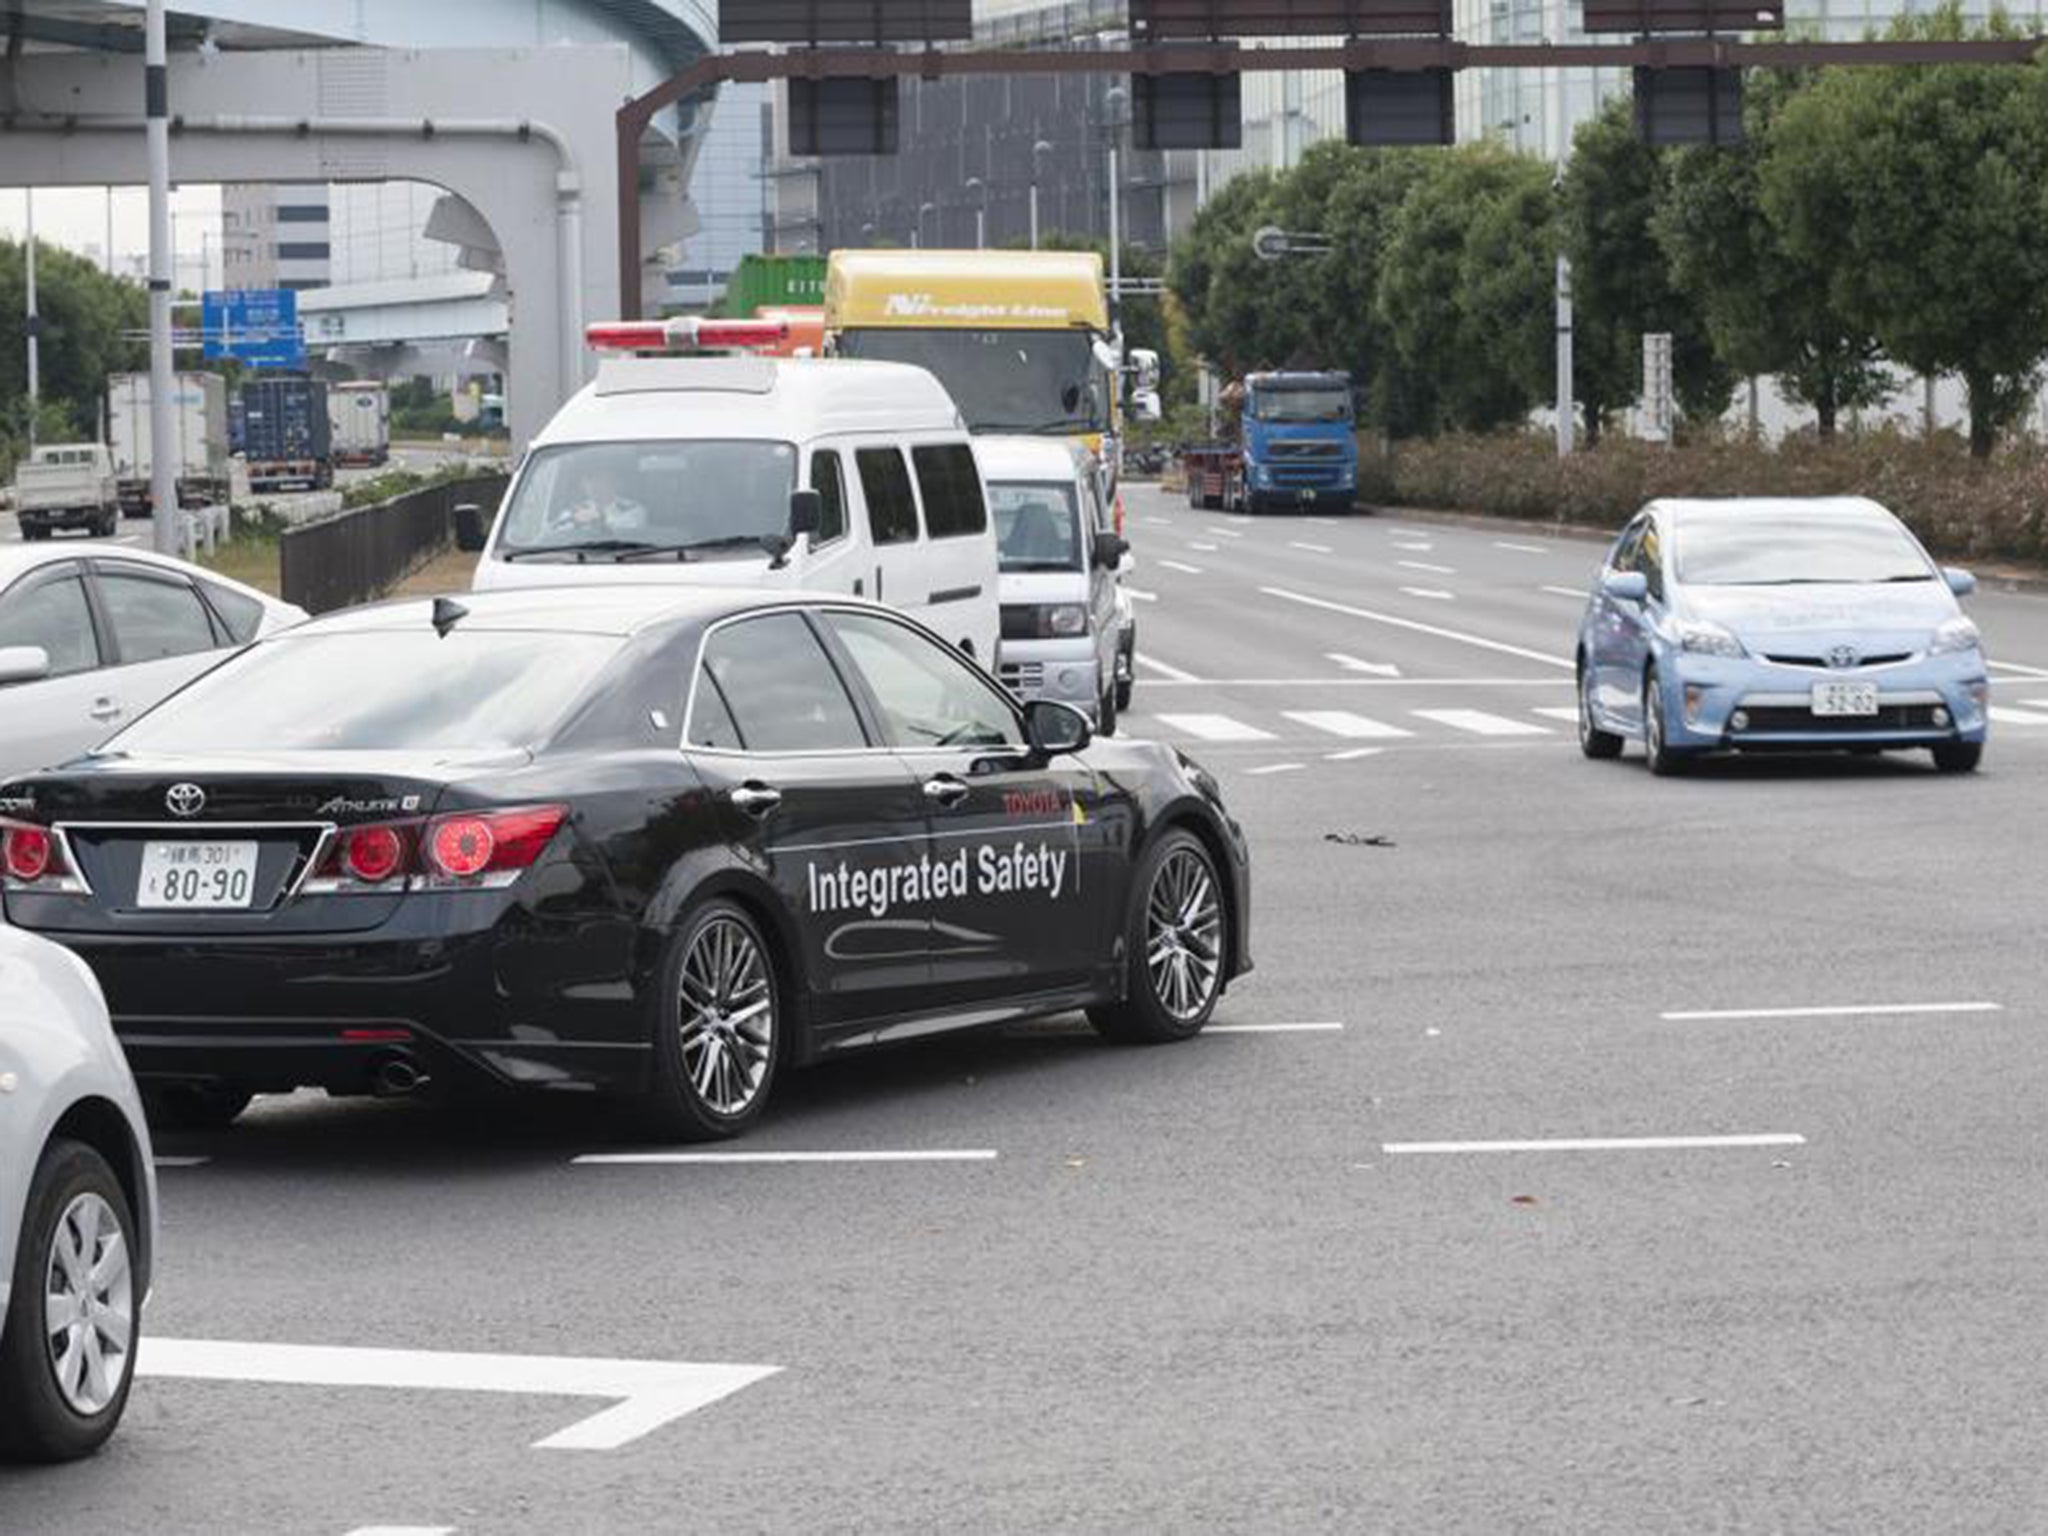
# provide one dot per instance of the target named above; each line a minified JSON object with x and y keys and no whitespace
{"x":258,"y":326}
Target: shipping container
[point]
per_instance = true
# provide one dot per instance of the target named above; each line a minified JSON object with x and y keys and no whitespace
{"x":200,"y":405}
{"x":286,"y":435}
{"x":359,"y":418}
{"x":773,"y":282}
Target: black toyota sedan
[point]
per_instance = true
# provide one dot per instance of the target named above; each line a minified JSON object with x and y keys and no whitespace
{"x":644,"y":842}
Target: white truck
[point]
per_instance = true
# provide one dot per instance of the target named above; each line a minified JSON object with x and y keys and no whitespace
{"x":359,"y":416}
{"x":200,"y":404}
{"x":66,"y":485}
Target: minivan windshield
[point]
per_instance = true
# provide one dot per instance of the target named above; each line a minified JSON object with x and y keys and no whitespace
{"x":696,"y":497}
{"x":1003,"y":381}
{"x":379,"y":690}
{"x":1301,"y":404}
{"x":1037,"y":526}
{"x":1734,"y":549}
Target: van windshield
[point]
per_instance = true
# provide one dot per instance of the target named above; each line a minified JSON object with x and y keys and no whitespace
{"x":1037,"y":526}
{"x":709,"y":498}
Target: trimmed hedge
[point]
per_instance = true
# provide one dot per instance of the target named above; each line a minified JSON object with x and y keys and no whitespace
{"x":1961,"y":509}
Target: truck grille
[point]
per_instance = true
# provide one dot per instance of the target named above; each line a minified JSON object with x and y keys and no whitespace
{"x":1310,"y":450}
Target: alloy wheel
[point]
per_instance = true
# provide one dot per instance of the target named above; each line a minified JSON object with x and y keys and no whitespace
{"x":727,"y":1016}
{"x":1184,"y":934}
{"x":89,"y":1304}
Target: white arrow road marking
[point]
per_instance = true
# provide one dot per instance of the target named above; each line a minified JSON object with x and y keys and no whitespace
{"x":648,"y":1393}
{"x":1353,"y":664}
{"x":1419,"y":627}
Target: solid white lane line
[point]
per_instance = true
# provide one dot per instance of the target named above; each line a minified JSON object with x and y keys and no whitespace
{"x":1424,"y":565}
{"x":1182,"y":566}
{"x":1480,"y":723}
{"x":1137,"y":596}
{"x":1319,"y":1028}
{"x":1520,"y":549}
{"x":1576,"y":594}
{"x":1205,"y":549}
{"x":1352,"y":754}
{"x":1341,"y":722}
{"x":687,"y":1159}
{"x":1430,"y":592}
{"x":1314,"y":549}
{"x":647,"y":1393}
{"x":2006,"y":715}
{"x":1261,"y":772}
{"x":1427,"y":629}
{"x":1353,"y":664}
{"x":1214,"y":727}
{"x":1164,"y":669}
{"x":1564,"y":712}
{"x":1841,"y":1011}
{"x":1595,"y":1144}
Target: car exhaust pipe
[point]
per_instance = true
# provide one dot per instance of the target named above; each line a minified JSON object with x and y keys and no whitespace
{"x":396,"y":1075}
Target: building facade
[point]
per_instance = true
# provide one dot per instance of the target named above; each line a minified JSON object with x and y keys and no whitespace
{"x":276,"y":236}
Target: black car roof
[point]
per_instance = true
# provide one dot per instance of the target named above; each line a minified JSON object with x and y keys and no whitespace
{"x":595,"y":608}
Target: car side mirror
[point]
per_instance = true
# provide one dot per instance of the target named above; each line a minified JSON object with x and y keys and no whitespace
{"x":1627,"y":586}
{"x":806,"y":512}
{"x":469,"y":528}
{"x":1055,"y":728}
{"x":23,"y":664}
{"x":1110,"y":550}
{"x":1960,"y":581}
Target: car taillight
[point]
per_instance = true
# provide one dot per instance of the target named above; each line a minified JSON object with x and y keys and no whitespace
{"x":28,"y":852}
{"x":465,"y":849}
{"x":466,"y":846}
{"x":373,"y":854}
{"x":462,"y":846}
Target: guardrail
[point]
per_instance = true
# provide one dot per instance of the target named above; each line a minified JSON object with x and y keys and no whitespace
{"x":362,"y":554}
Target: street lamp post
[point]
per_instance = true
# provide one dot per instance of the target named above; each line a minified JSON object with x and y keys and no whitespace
{"x":978,"y":189}
{"x":1040,"y":153}
{"x":1561,"y":123}
{"x":917,"y":235}
{"x":1114,"y":101}
{"x":34,"y":324}
{"x":163,"y":431}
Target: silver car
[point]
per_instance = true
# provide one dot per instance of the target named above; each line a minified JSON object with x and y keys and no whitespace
{"x":77,"y":1206}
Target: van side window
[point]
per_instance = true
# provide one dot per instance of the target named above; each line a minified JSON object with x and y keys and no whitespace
{"x":831,"y":488}
{"x":892,"y":511}
{"x":952,"y":491}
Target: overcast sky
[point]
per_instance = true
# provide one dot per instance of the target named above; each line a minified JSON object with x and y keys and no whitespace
{"x":76,"y":218}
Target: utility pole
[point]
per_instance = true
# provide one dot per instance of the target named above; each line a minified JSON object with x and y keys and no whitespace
{"x":1115,"y":100}
{"x":163,"y":435}
{"x":1562,"y":148}
{"x":34,"y":324}
{"x":1040,"y":152}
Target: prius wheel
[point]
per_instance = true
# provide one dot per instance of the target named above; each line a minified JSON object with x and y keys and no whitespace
{"x":69,"y":1350}
{"x":1662,"y":759}
{"x":1174,"y":945}
{"x":1959,"y":756}
{"x":1593,"y":741}
{"x":717,"y":1041}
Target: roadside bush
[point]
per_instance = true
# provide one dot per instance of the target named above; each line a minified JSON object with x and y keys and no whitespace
{"x":1962,"y":509}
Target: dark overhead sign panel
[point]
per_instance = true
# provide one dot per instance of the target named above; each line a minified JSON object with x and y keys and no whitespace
{"x":842,"y":117}
{"x":844,"y":21}
{"x":1689,"y":105}
{"x":1386,"y":106}
{"x":1187,"y":111}
{"x":1646,"y":16}
{"x":1159,"y":21}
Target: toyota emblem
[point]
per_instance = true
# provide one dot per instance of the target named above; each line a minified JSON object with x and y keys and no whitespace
{"x":1842,"y":656}
{"x":185,"y":800}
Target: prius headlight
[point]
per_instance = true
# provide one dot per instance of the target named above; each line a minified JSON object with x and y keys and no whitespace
{"x":1703,"y":637}
{"x":1956,"y":634}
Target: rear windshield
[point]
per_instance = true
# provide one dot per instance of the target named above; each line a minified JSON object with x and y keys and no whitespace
{"x":1741,"y":550}
{"x":1037,"y":528}
{"x":379,"y":691}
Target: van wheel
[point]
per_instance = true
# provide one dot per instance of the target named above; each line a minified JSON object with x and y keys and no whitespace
{"x":718,"y":1029}
{"x":1105,"y":716}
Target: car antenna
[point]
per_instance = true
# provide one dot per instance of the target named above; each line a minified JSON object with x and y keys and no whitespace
{"x":447,"y":614}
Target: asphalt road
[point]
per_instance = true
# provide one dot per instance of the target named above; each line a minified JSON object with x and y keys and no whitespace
{"x":1194,"y":1288}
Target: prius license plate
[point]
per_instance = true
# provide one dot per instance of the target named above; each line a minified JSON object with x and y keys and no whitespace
{"x":195,"y":876}
{"x":1845,"y":698}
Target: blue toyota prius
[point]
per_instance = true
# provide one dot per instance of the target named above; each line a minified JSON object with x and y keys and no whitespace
{"x":1784,"y":624}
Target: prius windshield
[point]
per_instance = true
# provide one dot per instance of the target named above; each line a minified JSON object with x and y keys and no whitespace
{"x":687,"y":496}
{"x":1779,"y":550}
{"x":1003,"y":381}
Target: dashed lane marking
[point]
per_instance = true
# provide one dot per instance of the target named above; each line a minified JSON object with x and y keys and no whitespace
{"x":403,"y":1530}
{"x":2019,"y":667}
{"x":1595,"y":1144}
{"x":1831,"y":1011}
{"x":1442,"y":633}
{"x":1182,"y":566}
{"x":1320,"y":1027}
{"x":1353,"y":664}
{"x":647,"y":1393}
{"x":1480,"y":723}
{"x":1261,"y":772}
{"x":1352,"y":754}
{"x":1314,"y":549}
{"x":1433,"y":593}
{"x":1214,"y":728}
{"x":1424,"y":565}
{"x":1222,"y":533}
{"x":2006,"y":715}
{"x":1565,"y":712}
{"x":1137,"y":596}
{"x":1205,"y":549}
{"x":1576,"y":594}
{"x":1341,"y":722}
{"x":1165,"y":669}
{"x":1520,"y":549}
{"x":740,"y":1159}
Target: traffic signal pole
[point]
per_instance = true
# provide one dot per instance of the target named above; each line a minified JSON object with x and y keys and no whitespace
{"x":163,"y":434}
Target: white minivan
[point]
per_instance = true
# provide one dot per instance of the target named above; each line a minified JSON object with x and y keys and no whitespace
{"x":1059,"y":554}
{"x":797,"y":473}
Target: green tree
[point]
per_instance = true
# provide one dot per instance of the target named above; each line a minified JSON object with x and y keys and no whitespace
{"x":1925,"y":186}
{"x":1207,"y":275}
{"x":1621,"y":279}
{"x":85,"y":316}
{"x":1359,"y":218}
{"x":1767,"y":307}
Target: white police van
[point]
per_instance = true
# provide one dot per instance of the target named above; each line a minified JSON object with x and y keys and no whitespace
{"x":797,"y":473}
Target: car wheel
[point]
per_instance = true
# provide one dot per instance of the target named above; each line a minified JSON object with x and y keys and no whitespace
{"x":718,"y":1034}
{"x":1124,"y":688}
{"x":1174,"y":946}
{"x":1958,"y":756}
{"x":69,"y":1350}
{"x":1105,"y":712}
{"x":1663,"y":761}
{"x":194,"y":1106}
{"x":1593,"y":741}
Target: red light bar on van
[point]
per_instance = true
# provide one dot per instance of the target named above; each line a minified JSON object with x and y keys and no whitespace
{"x":686,"y":333}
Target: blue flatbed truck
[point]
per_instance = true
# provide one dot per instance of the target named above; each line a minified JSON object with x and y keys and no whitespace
{"x":1296,"y":448}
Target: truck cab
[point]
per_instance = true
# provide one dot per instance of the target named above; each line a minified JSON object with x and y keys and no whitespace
{"x":1299,"y":436}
